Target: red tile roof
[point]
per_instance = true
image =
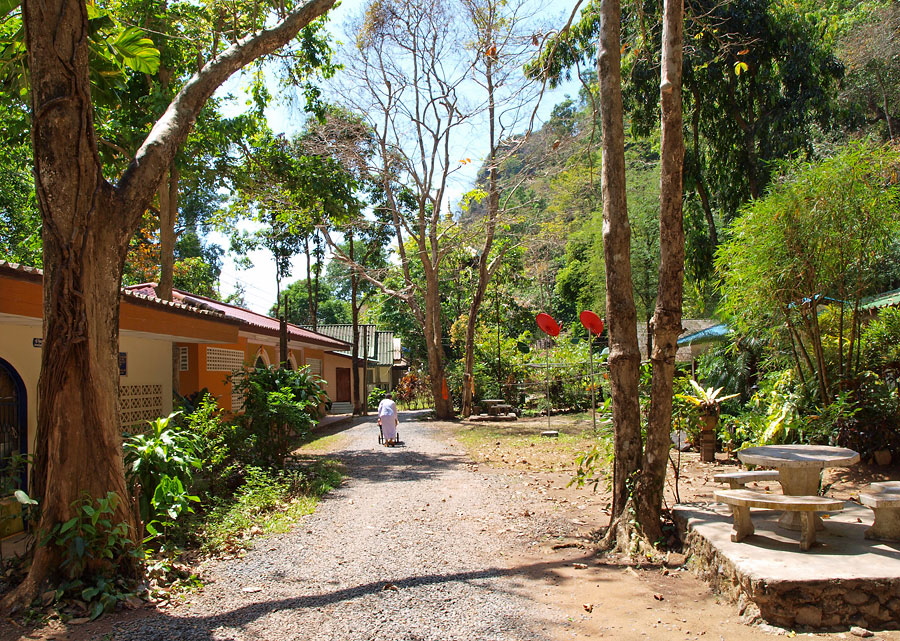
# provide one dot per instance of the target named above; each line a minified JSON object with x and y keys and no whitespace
{"x":252,"y":320}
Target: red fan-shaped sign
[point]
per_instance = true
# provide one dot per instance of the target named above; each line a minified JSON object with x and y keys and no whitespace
{"x":591,"y":322}
{"x":547,"y":324}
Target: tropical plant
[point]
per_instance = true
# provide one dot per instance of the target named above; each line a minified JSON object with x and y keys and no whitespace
{"x":375,"y":397}
{"x":279,"y":406}
{"x":92,"y":545}
{"x":160,"y":465}
{"x":821,"y":237}
{"x":707,"y":400}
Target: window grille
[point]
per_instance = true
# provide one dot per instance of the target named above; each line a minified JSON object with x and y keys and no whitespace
{"x":219,"y":359}
{"x":184,"y":363}
{"x":224,"y":360}
{"x":315,"y":366}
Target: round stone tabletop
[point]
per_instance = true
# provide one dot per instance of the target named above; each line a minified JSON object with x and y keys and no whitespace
{"x":798,"y":456}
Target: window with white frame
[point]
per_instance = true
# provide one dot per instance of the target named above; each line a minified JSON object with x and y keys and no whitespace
{"x":184,"y":364}
{"x":315,"y":366}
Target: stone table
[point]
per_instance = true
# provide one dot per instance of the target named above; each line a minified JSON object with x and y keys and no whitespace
{"x":799,"y":469}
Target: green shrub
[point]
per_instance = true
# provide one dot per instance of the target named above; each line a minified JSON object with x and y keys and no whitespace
{"x":881,"y":342}
{"x":375,"y":397}
{"x":279,"y":406}
{"x":268,"y":501}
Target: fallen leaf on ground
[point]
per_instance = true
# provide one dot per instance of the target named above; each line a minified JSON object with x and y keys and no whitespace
{"x":251,"y":588}
{"x":389,"y":586}
{"x":658,"y":597}
{"x":579,"y":566}
{"x":589,"y":607}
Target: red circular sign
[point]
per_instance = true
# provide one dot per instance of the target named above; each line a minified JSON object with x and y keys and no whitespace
{"x":547,"y":324}
{"x":591,"y":322}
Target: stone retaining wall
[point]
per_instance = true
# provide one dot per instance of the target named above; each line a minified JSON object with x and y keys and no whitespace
{"x":813,"y":604}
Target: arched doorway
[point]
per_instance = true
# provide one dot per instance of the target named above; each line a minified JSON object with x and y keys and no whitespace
{"x":13,"y":419}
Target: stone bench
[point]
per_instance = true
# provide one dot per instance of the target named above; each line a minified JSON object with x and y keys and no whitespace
{"x":737,"y":480}
{"x":884,"y":499}
{"x":742,"y":500}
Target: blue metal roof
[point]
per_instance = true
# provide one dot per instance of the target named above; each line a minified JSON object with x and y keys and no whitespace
{"x":709,"y":335}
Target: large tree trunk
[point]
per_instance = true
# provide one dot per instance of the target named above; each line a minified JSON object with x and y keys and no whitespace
{"x":667,"y":317}
{"x":78,"y":446}
{"x":359,"y":399}
{"x":624,"y":355}
{"x":86,"y":228}
{"x":484,"y":274}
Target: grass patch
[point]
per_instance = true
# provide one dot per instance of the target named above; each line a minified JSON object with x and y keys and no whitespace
{"x":324,"y":442}
{"x":520,"y":445}
{"x":267,"y":503}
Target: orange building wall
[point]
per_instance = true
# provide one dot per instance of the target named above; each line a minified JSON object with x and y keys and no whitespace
{"x":197,"y":377}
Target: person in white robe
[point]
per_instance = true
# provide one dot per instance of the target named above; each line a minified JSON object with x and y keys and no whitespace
{"x":388,"y":419}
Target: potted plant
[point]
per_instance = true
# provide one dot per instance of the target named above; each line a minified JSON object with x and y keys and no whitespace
{"x":708,"y":402}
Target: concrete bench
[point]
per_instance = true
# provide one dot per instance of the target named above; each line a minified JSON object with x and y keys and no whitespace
{"x":742,"y":500}
{"x":884,"y":499}
{"x":737,"y":480}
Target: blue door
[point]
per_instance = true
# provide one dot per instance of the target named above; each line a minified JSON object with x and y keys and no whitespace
{"x":13,"y":420}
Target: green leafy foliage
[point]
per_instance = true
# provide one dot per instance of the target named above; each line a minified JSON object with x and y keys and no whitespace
{"x":821,"y":236}
{"x":279,"y":405}
{"x":375,"y":397}
{"x":160,"y":465}
{"x":267,"y":501}
{"x":881,"y":342}
{"x":707,"y":400}
{"x":92,"y":545}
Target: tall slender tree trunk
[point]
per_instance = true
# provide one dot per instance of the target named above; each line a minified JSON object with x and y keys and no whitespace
{"x":484,"y":274}
{"x":667,"y":317}
{"x":359,"y":399}
{"x":443,"y":405}
{"x":624,"y":355}
{"x":168,"y":219}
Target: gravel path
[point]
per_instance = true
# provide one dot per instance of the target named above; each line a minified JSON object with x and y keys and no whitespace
{"x":417,"y":545}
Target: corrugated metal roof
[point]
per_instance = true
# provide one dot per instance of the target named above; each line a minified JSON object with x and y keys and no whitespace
{"x":707,"y":335}
{"x":344,"y":332}
{"x":385,"y":342}
{"x":378,"y":343}
{"x":887,"y":299}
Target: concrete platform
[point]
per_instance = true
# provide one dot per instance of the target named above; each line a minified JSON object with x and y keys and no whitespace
{"x":492,"y":418}
{"x":843,"y":580}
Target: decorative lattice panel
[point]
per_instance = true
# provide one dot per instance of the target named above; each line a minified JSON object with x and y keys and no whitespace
{"x":237,"y":401}
{"x":224,"y":360}
{"x":315,"y":366}
{"x":184,"y":363}
{"x":139,"y":404}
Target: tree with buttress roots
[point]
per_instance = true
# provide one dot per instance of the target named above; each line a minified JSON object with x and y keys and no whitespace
{"x":87,"y":222}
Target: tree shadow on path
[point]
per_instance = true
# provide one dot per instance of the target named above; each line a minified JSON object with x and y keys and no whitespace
{"x":161,"y":625}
